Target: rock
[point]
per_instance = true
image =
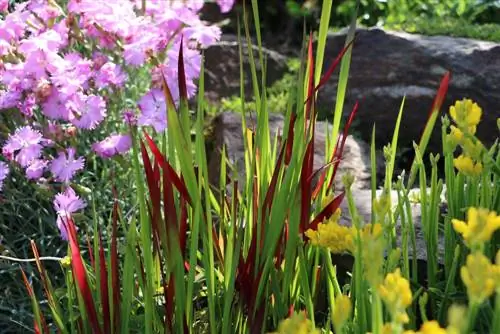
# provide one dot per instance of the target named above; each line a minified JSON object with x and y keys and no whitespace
{"x":362,"y":199}
{"x":387,"y":65}
{"x":226,"y":129}
{"x":222,"y":69}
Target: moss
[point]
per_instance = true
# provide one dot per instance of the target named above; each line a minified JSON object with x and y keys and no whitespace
{"x":454,"y":28}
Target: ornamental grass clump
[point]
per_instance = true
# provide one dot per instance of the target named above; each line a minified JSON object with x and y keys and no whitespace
{"x":263,"y":252}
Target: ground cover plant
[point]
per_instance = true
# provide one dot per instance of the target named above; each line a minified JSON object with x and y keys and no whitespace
{"x":256,"y":252}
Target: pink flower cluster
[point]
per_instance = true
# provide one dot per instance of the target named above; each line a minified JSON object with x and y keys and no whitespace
{"x":59,"y":67}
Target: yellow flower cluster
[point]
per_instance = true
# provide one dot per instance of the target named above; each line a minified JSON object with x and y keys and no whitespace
{"x":340,"y":239}
{"x":479,"y":227}
{"x":396,"y":294}
{"x":331,"y":235}
{"x":480,"y":276}
{"x":341,"y":312}
{"x":467,"y":166}
{"x":429,"y":327}
{"x":296,"y":324}
{"x":372,"y":252}
{"x":467,"y":115}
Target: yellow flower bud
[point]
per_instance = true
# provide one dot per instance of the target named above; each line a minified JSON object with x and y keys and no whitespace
{"x":342,"y":311}
{"x":466,"y":166}
{"x":397,"y":295}
{"x":478,"y":276}
{"x":479,"y":228}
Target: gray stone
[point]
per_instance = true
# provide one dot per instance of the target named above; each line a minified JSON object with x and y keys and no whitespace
{"x":226,"y":129}
{"x":222,"y":69}
{"x":387,"y":65}
{"x":362,"y":199}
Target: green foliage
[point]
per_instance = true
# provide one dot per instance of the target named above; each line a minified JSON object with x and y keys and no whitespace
{"x":478,"y":19}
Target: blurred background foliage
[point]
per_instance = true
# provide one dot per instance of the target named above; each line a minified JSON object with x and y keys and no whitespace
{"x":283,"y":20}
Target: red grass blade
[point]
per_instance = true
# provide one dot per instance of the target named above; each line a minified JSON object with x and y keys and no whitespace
{"x":80,"y":275}
{"x":153,"y":185}
{"x":91,"y":252}
{"x":327,"y":211}
{"x":332,"y":68}
{"x":178,"y":183}
{"x":443,"y":89}
{"x":337,"y":155}
{"x":167,"y":93}
{"x":439,"y":99}
{"x":181,"y":73}
{"x":289,"y":139}
{"x":115,"y":278}
{"x":43,"y":274}
{"x":272,"y":187}
{"x":305,"y":186}
{"x":310,"y":85}
{"x":103,"y":272}
{"x":32,"y":295}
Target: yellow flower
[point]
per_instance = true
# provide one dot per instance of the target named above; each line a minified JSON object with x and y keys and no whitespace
{"x":478,"y":275}
{"x":456,"y":133}
{"x":397,"y":295}
{"x":467,"y":114}
{"x":297,"y":324}
{"x":66,"y":262}
{"x":431,"y":327}
{"x":372,"y":251}
{"x":479,"y":228}
{"x":342,"y":311}
{"x":390,"y":328}
{"x":466,"y":166}
{"x":457,"y":319}
{"x":331,"y":235}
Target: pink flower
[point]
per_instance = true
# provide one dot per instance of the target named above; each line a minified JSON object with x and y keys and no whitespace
{"x":66,"y":204}
{"x":153,"y":110}
{"x":65,"y":166}
{"x":225,"y":5}
{"x":110,"y":74}
{"x":4,"y":171}
{"x":4,"y":5}
{"x":28,"y":105}
{"x":205,"y":35}
{"x":87,"y":111}
{"x":129,"y":117}
{"x":9,"y":99}
{"x":24,"y":146}
{"x":35,"y":169}
{"x":112,"y":145}
{"x":55,"y":107}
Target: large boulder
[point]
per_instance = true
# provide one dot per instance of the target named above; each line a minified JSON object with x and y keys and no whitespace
{"x":222,"y":69}
{"x":226,"y":130}
{"x":388,"y":65}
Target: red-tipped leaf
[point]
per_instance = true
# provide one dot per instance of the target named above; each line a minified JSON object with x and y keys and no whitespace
{"x":181,"y":73}
{"x":327,"y":212}
{"x":80,"y":275}
{"x":167,"y":168}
